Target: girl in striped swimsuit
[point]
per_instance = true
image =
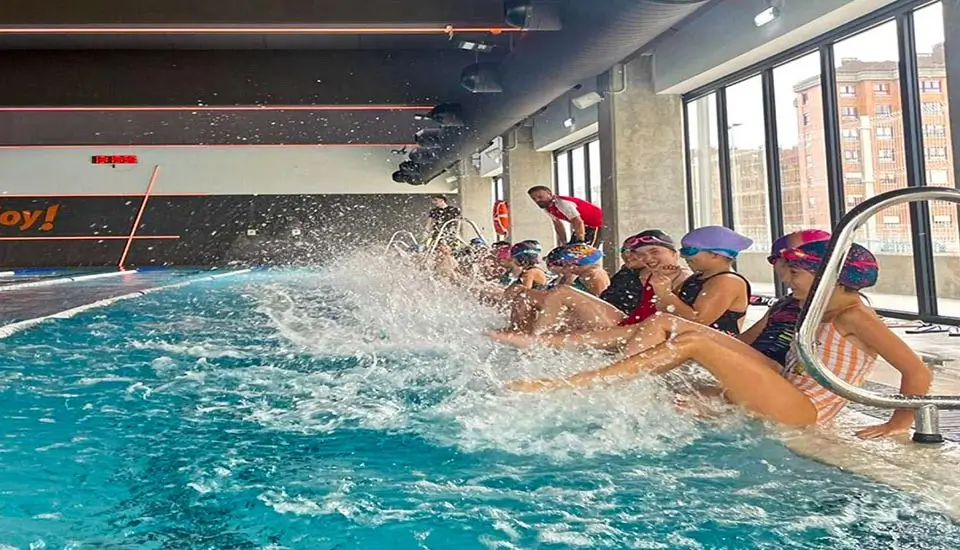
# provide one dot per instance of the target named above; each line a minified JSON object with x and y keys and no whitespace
{"x":850,"y":339}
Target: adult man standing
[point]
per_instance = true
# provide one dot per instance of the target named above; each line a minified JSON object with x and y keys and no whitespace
{"x":439,"y":215}
{"x":585,"y":219}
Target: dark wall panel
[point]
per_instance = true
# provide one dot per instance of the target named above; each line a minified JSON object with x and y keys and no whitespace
{"x":67,"y":216}
{"x":212,"y":230}
{"x":206,"y":127}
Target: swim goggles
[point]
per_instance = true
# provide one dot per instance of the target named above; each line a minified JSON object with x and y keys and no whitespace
{"x":635,"y":242}
{"x":688,"y":251}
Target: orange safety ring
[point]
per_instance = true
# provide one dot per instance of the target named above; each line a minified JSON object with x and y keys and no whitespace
{"x":501,"y":217}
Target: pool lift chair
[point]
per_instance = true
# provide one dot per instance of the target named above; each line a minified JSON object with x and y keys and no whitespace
{"x":927,"y":407}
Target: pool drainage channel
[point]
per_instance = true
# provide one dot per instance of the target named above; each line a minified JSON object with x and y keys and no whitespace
{"x":8,"y":330}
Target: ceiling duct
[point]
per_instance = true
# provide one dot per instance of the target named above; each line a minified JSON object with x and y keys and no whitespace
{"x":544,"y":66}
{"x":429,"y":138}
{"x":447,"y":115}
{"x":481,"y":78}
{"x":421,"y":156}
{"x":533,"y":15}
{"x":408,"y":177}
{"x":410,"y":166}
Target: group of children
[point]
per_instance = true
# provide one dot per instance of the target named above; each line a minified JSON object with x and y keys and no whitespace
{"x":658,"y":314}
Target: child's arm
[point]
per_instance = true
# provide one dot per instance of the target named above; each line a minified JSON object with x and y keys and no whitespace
{"x":718,"y":295}
{"x":527,"y":279}
{"x":749,"y":336}
{"x":915,"y":377}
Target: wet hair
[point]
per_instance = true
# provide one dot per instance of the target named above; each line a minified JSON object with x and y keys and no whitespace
{"x":536,"y":188}
{"x":438,"y":198}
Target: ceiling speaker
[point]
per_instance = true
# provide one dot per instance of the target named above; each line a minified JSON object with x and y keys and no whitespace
{"x":481,"y":78}
{"x":533,"y":15}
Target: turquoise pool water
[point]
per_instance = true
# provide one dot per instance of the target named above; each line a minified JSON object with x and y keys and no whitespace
{"x":325,"y":411}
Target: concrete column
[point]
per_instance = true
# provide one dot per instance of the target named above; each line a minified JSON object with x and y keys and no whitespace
{"x":524,"y":167}
{"x":641,"y":157}
{"x":476,"y":201}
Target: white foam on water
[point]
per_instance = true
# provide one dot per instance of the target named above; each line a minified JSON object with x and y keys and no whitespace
{"x":404,"y":334}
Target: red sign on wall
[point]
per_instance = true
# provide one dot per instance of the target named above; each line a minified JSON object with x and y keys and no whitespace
{"x":115,"y":159}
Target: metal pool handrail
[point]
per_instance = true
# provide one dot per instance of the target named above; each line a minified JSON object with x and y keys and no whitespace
{"x":927,"y":406}
{"x":396,"y":238}
{"x":459,"y":222}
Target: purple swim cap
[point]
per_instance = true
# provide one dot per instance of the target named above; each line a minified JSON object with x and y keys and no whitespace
{"x":716,"y":239}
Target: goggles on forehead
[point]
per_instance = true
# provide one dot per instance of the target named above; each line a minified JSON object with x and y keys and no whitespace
{"x":644,"y":240}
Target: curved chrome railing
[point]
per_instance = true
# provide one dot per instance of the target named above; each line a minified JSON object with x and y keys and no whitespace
{"x":927,"y":406}
{"x":396,"y":239}
{"x":459,"y":222}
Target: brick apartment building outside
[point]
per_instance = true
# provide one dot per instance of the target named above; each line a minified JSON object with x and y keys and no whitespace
{"x":871,"y":131}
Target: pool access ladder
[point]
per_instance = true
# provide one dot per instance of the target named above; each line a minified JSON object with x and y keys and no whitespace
{"x":397,"y":240}
{"x":927,"y":407}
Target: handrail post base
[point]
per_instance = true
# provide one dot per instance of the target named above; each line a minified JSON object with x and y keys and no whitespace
{"x":927,"y":425}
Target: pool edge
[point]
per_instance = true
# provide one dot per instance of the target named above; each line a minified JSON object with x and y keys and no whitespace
{"x":931,"y":472}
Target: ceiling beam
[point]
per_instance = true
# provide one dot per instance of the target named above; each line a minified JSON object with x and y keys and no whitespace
{"x":207,"y":127}
{"x":365,"y":13}
{"x":228,"y":78}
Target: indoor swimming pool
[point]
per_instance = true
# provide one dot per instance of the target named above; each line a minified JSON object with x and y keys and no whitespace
{"x":338,"y":409}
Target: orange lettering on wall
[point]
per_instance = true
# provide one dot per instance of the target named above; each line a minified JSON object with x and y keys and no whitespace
{"x":30,"y":220}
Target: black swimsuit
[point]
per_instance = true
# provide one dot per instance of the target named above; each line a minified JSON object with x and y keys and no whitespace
{"x":625,"y":290}
{"x":729,"y":321}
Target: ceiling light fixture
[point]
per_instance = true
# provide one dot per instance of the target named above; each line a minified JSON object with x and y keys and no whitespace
{"x":767,"y":16}
{"x":586,"y":100}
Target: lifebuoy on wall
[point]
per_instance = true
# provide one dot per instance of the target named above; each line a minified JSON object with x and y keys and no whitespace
{"x":501,"y":217}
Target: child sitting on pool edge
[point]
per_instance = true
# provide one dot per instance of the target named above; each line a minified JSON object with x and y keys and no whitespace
{"x":850,"y":338}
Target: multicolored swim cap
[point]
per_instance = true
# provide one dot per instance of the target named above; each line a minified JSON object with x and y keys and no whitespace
{"x":574,"y":254}
{"x":805,"y":236}
{"x":717,"y":239}
{"x":650,"y":237}
{"x":525,"y":248}
{"x":860,"y":269}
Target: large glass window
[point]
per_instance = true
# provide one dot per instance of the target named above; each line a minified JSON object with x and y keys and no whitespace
{"x":876,"y":162}
{"x":871,"y":148}
{"x":497,"y":191}
{"x":579,"y":173}
{"x":704,"y":174}
{"x":593,"y":156}
{"x":562,"y":164}
{"x":935,"y":131}
{"x":747,"y":140}
{"x":803,"y":161}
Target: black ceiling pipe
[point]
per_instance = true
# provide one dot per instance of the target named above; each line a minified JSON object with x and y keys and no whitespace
{"x":545,"y":65}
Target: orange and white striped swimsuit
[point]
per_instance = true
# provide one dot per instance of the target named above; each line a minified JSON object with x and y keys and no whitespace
{"x":841,"y":356}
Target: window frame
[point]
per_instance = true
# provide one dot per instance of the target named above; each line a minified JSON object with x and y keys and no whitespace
{"x":587,"y":163}
{"x":912,"y":108}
